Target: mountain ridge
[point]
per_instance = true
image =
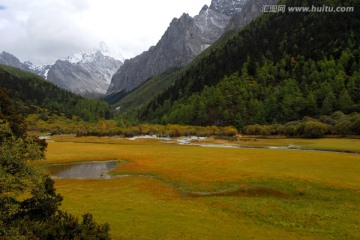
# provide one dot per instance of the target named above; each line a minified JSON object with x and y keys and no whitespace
{"x":148,"y":90}
{"x":12,"y":61}
{"x":89,"y":78}
{"x":184,"y":39}
{"x":87,"y":73}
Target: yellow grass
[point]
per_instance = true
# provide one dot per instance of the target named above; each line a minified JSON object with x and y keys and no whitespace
{"x":339,"y":144}
{"x":320,"y":190}
{"x":193,"y":164}
{"x":139,"y":208}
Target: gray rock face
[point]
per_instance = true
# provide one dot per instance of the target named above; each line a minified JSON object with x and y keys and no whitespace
{"x":184,"y":39}
{"x":250,"y":11}
{"x":89,"y":77}
{"x":12,"y":61}
{"x":227,"y":7}
{"x":41,"y":70}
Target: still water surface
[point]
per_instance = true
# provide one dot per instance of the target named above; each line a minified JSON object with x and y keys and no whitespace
{"x":87,"y":170}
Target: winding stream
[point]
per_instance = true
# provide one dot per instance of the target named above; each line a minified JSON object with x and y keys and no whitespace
{"x":292,"y":148}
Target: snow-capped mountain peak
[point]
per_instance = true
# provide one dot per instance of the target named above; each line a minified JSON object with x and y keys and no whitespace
{"x":87,"y":73}
{"x":90,"y":56}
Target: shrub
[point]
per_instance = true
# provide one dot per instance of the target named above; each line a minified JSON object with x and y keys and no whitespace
{"x":343,"y":127}
{"x":252,"y":129}
{"x":355,"y":127}
{"x":314,"y":129}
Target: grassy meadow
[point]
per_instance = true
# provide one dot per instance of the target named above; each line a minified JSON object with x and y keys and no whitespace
{"x":172,"y":191}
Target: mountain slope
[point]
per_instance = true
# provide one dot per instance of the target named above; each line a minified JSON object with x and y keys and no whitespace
{"x":227,"y":7}
{"x":137,"y":98}
{"x":185,"y":38}
{"x":282,"y":67}
{"x":151,"y":88}
{"x":30,"y":90}
{"x":12,"y":61}
{"x":87,"y":74}
{"x":250,"y":11}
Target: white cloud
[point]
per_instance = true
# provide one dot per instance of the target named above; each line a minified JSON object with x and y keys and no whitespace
{"x":45,"y":30}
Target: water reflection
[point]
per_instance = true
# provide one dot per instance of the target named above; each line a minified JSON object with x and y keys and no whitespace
{"x":87,"y":170}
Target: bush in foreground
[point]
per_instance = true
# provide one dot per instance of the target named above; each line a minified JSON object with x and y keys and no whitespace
{"x":29,"y":204}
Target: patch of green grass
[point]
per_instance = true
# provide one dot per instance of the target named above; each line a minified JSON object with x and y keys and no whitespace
{"x":327,"y":212}
{"x":140,"y":208}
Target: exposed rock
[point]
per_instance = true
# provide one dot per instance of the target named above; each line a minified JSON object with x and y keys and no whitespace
{"x":250,"y":11}
{"x":184,"y":39}
{"x":227,"y":7}
{"x":90,"y":77}
{"x":12,"y":61}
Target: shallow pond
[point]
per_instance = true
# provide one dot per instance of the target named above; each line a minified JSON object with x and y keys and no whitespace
{"x":86,"y":170}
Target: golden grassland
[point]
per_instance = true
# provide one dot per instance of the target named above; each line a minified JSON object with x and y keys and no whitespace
{"x":336,"y":144}
{"x":192,"y":192}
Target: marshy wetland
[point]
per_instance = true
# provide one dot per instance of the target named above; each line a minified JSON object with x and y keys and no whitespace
{"x":171,"y":191}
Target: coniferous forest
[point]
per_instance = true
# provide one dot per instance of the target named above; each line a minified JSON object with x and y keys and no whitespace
{"x":278,"y":69}
{"x":30,"y":91}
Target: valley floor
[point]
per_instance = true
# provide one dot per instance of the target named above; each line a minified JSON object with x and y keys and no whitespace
{"x":171,"y":191}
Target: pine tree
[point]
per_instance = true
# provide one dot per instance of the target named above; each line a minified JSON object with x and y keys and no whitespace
{"x":345,"y":101}
{"x":311,"y":107}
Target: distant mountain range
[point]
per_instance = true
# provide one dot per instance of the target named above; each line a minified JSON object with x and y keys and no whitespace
{"x":12,"y":61}
{"x":85,"y":73}
{"x":98,"y":72}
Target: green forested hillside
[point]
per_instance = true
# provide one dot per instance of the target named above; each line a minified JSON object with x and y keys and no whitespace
{"x":31,"y":91}
{"x":279,"y":68}
{"x":130,"y":103}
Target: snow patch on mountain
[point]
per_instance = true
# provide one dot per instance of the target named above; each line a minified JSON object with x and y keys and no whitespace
{"x":87,"y":73}
{"x":93,"y":55}
{"x":227,"y":7}
{"x":10,"y":60}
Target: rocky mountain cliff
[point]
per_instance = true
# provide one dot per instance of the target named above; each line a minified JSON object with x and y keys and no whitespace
{"x":184,"y":39}
{"x":249,"y":11}
{"x":227,"y":7}
{"x":10,"y":60}
{"x":87,"y":74}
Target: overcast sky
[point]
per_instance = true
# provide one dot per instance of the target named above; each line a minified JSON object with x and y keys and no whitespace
{"x":43,"y":31}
